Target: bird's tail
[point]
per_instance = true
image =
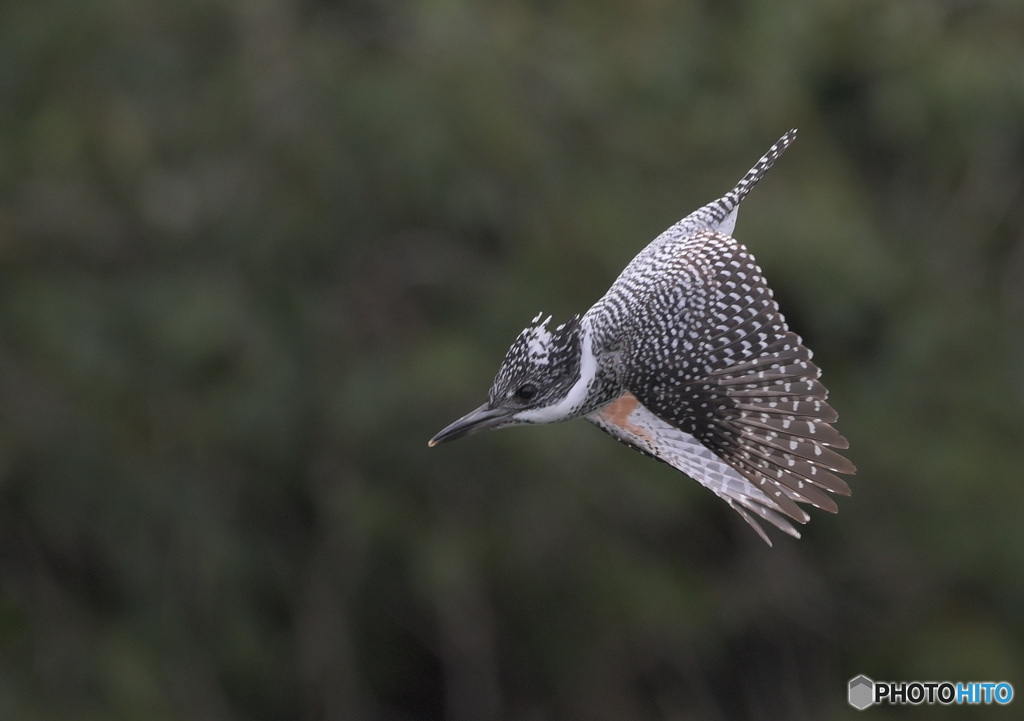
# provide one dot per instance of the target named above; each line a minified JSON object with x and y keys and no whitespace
{"x":720,"y":215}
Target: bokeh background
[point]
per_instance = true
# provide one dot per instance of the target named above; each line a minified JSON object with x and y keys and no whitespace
{"x":254,"y":253}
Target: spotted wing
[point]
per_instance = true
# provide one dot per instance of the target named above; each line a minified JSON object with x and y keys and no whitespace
{"x":628,"y":421}
{"x":708,"y":352}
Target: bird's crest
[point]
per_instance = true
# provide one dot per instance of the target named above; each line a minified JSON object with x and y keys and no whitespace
{"x":536,"y":345}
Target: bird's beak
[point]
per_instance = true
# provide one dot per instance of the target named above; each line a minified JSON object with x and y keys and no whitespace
{"x":483,"y":417}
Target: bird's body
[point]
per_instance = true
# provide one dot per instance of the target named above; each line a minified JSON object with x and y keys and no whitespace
{"x":687,"y":358}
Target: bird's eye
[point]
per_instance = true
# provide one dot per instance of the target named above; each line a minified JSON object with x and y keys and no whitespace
{"x":526,"y":392}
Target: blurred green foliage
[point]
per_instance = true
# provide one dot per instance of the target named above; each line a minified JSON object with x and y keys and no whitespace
{"x":253,"y":254}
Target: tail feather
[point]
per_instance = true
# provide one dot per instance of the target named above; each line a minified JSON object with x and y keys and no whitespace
{"x":720,"y":215}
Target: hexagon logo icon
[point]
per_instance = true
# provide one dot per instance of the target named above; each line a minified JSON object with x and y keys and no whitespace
{"x":862,"y":692}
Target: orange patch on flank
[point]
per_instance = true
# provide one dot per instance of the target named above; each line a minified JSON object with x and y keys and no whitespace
{"x":618,"y":411}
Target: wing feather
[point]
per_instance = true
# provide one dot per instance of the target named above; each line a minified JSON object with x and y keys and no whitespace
{"x":628,"y":421}
{"x":708,"y":353}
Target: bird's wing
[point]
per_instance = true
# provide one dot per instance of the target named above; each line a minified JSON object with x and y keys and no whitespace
{"x":628,"y":421}
{"x":707,"y":351}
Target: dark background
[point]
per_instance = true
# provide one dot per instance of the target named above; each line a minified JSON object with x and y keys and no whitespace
{"x":254,"y":253}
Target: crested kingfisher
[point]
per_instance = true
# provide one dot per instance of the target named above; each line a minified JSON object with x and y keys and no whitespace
{"x":688,"y":359}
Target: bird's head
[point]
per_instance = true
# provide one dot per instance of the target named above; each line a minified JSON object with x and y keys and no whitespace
{"x":533,"y":383}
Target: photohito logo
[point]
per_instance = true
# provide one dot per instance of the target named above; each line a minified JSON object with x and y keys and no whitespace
{"x":864,"y":692}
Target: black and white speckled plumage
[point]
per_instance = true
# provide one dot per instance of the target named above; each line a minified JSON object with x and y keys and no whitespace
{"x":554,"y":354}
{"x":687,"y":358}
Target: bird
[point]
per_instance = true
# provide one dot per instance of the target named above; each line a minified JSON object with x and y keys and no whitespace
{"x":687,"y":358}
